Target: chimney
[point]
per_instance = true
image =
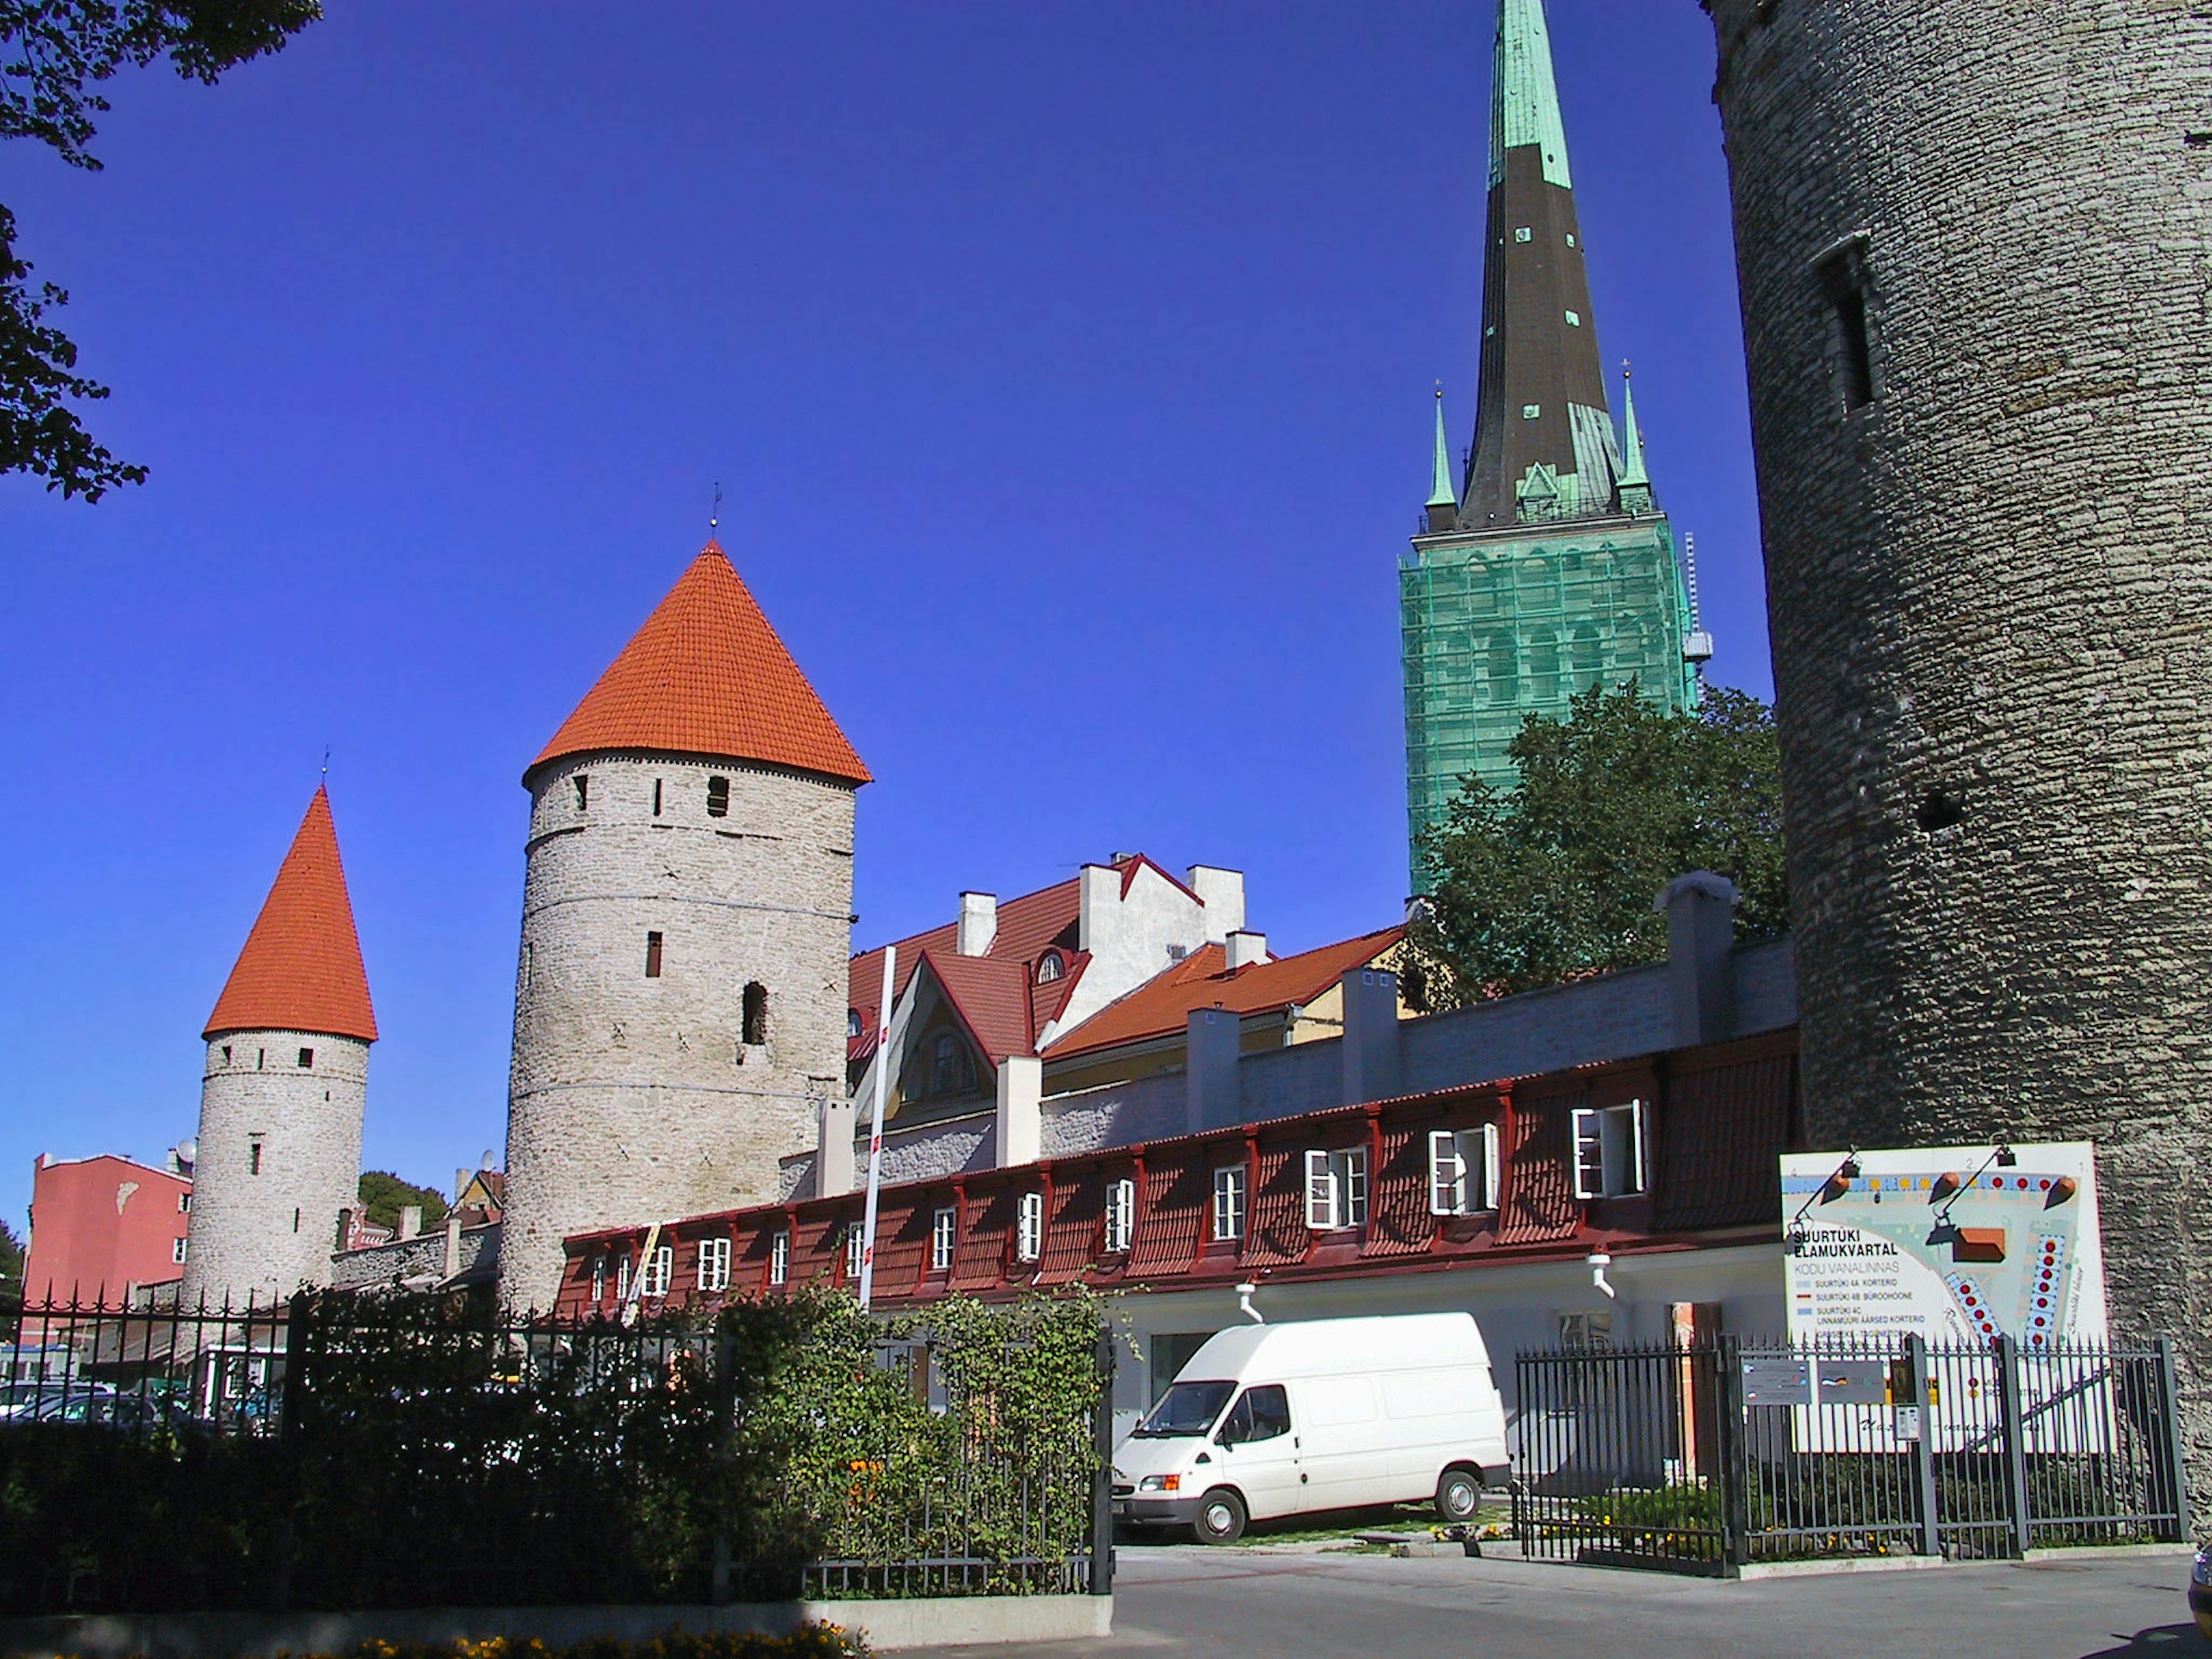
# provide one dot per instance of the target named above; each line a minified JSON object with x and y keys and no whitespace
{"x":1212,"y":1041}
{"x":461,"y":1178}
{"x":1245,"y":948}
{"x":453,"y":1245}
{"x":411,"y":1220}
{"x":1098,"y":891}
{"x":979,"y":923}
{"x":1371,"y":1035}
{"x":1021,"y":1115}
{"x":1700,"y":912}
{"x":1221,"y":892}
{"x":833,"y":1148}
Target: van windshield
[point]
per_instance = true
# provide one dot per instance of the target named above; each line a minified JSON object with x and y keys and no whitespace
{"x":1186,"y":1410}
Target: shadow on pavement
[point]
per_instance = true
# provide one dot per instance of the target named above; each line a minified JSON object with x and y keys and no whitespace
{"x":2168,"y":1641}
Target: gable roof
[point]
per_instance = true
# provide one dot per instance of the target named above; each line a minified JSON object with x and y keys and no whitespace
{"x":300,"y":969}
{"x":707,"y":674}
{"x":1161,"y":1005}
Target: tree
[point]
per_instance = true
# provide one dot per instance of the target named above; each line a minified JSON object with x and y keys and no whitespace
{"x":1552,"y":879}
{"x":384,"y":1194}
{"x":52,"y":54}
{"x":11,"y":1263}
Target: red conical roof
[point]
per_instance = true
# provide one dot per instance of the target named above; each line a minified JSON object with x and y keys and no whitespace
{"x":300,"y":969}
{"x":707,"y":674}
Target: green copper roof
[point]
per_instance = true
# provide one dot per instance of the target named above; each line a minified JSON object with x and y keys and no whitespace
{"x":1632,"y":471}
{"x":1524,"y":98}
{"x":1441,"y":492}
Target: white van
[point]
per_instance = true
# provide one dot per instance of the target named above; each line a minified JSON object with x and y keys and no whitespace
{"x":1269,"y":1420}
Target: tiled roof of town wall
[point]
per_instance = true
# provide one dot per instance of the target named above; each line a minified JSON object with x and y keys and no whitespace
{"x":707,"y":674}
{"x":301,"y":969}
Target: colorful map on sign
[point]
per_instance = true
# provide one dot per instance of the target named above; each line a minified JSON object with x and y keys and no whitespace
{"x":1961,"y":1244}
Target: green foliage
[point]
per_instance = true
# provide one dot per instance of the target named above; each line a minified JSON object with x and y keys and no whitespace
{"x":1553,"y":879}
{"x":811,"y":1641}
{"x":54,"y":53}
{"x":11,"y":1261}
{"x":384,"y":1194}
{"x":431,"y":1456}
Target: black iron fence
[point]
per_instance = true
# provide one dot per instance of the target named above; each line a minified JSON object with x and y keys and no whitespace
{"x":348,"y":1451}
{"x":1709,"y":1456}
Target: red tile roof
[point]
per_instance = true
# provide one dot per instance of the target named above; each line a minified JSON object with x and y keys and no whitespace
{"x":991,"y":994}
{"x":300,"y":969}
{"x":707,"y":674}
{"x":1161,"y":1005}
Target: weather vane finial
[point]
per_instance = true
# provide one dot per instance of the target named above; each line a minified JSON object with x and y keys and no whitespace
{"x":714,"y":519}
{"x":327,"y":760}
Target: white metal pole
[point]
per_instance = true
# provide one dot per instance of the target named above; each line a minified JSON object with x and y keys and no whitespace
{"x":876,"y":1126}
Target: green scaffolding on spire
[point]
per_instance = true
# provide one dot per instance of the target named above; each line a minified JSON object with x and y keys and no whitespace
{"x":1524,"y":96}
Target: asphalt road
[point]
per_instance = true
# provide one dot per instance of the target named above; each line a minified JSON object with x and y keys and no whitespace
{"x":1190,"y":1600}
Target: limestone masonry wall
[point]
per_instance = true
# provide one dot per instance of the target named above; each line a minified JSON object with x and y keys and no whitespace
{"x":264,"y":1221}
{"x":636,"y":1096}
{"x":1988,"y":524}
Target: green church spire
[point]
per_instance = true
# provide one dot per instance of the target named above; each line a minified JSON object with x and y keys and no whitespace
{"x":1524,"y":97}
{"x":1443,"y":500}
{"x":1635,"y":481}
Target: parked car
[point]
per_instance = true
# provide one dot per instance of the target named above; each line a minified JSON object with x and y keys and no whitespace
{"x":52,"y":1401}
{"x":2200,"y":1589}
{"x":1273,"y":1420}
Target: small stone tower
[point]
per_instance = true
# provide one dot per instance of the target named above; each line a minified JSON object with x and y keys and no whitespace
{"x":679,"y":1011}
{"x":1977,"y":299}
{"x":286,"y":1079}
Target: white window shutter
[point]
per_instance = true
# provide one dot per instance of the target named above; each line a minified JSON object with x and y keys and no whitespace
{"x":1447,"y":1174}
{"x":1320,"y":1192}
{"x":1638,"y":1180}
{"x":1587,"y":1128}
{"x":1490,"y":1161}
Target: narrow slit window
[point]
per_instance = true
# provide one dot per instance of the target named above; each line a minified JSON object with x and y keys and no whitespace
{"x":253,"y":1155}
{"x":583,"y":792}
{"x":1843,"y":277}
{"x":656,"y":798}
{"x":718,"y":797}
{"x":756,"y":1014}
{"x":653,"y":956}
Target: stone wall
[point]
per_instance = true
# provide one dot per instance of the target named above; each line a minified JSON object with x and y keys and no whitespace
{"x":1989,"y":555}
{"x":414,"y":1262}
{"x":634,"y":1097}
{"x":263,"y":1223}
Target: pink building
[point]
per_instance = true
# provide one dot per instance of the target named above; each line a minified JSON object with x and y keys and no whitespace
{"x":101,"y":1226}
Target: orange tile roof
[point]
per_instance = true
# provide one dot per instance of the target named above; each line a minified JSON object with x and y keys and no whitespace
{"x":707,"y":674}
{"x":991,"y":994}
{"x":1161,"y":1005}
{"x":1028,"y":927}
{"x":300,"y":969}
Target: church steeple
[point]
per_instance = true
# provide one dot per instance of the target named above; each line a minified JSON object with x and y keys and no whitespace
{"x":1544,"y":444}
{"x":1443,"y":501}
{"x":1634,"y":493}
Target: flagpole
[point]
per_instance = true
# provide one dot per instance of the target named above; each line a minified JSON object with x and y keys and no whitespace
{"x":876,"y":1129}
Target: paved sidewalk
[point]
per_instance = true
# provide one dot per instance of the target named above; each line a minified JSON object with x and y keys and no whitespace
{"x":1187,"y":1599}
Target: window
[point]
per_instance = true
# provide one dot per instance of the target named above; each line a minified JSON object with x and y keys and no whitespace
{"x":260,"y":1058}
{"x":656,"y":1271}
{"x":950,"y":1070}
{"x":1463,"y":1170}
{"x":253,"y":1155}
{"x":295,"y":1221}
{"x":1029,"y":1227}
{"x":177,"y":1248}
{"x":307,"y":1059}
{"x":621,"y":1277}
{"x":1570,"y":238}
{"x":944,"y":1234}
{"x":1843,"y":276}
{"x":1228,"y":1204}
{"x":598,"y":1279}
{"x":779,"y":1259}
{"x":1586,"y":1332}
{"x":756,"y":1028}
{"x":583,"y":792}
{"x":184,"y":1203}
{"x":713,"y":1264}
{"x":656,"y":798}
{"x":226,"y":1054}
{"x":856,"y":1251}
{"x":1609,"y":1151}
{"x":1530,"y":411}
{"x":653,"y":956}
{"x":852,"y":1027}
{"x":1574,"y":320}
{"x":1261,"y":1413}
{"x":718,"y":797}
{"x":1120,"y":1215}
{"x":1336,"y":1189}
{"x":1523,"y":234}
{"x":1049,"y":968}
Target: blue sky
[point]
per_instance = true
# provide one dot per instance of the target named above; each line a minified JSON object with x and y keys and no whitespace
{"x":1066,"y":369}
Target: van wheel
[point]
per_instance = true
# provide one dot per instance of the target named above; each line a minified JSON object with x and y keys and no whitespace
{"x":1459,"y":1495}
{"x":1219,"y":1518}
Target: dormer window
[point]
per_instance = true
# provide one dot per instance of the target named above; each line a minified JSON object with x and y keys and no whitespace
{"x":853,"y":1026}
{"x":1049,"y":968}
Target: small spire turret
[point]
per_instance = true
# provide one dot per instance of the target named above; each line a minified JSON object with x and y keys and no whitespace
{"x":1443,"y":501}
{"x":1635,"y":489}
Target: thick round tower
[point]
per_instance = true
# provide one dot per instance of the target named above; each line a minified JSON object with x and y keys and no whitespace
{"x":686,"y":921}
{"x":285,"y":1088}
{"x":1978,"y":308}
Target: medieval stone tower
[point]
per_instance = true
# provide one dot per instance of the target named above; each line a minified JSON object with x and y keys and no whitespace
{"x":687,"y":907}
{"x":1976,"y":246}
{"x":286,"y":1077}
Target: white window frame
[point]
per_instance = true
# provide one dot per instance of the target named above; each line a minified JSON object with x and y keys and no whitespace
{"x":779,"y":1257}
{"x":621,"y":1277}
{"x":1228,"y":1203}
{"x":856,"y":1251}
{"x":1586,"y":1330}
{"x":599,"y":1277}
{"x":1336,"y":1188}
{"x":1610,"y":1154}
{"x":1120,"y":1215}
{"x":1463,"y":1170}
{"x":654,"y":1272}
{"x":180,"y":1250}
{"x":1029,"y":1227}
{"x":713,"y":1264}
{"x":944,"y":1239}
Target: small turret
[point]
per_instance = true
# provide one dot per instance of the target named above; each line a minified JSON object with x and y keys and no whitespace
{"x":1443,"y":501}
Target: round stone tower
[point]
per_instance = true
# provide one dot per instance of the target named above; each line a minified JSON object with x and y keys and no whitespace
{"x":286,"y":1079}
{"x":1978,"y":300}
{"x":679,"y":1016}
